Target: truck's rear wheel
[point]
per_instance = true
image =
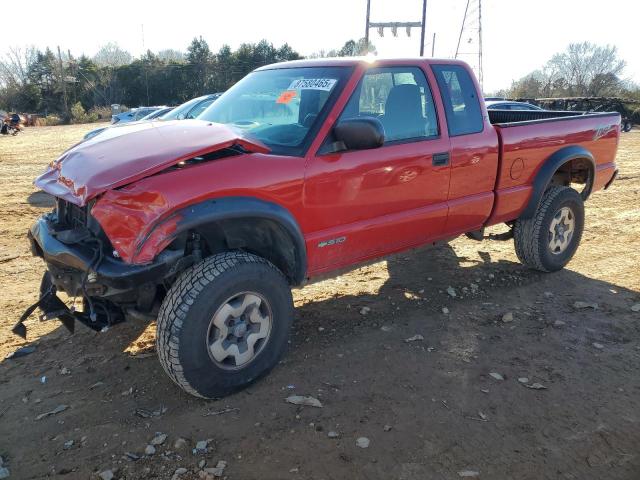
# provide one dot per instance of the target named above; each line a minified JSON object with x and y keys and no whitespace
{"x":224,"y":323}
{"x":549,"y":239}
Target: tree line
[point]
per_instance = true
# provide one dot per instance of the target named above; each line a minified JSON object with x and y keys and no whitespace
{"x":56,"y":82}
{"x":52,"y":82}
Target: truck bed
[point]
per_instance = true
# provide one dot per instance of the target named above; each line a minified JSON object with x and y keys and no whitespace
{"x":528,"y":138}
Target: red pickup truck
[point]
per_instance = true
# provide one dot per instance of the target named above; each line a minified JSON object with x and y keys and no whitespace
{"x":302,"y":169}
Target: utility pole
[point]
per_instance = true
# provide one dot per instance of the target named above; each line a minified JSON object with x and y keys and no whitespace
{"x":366,"y":30}
{"x":74,"y":69}
{"x":146,"y":72}
{"x":64,"y":85}
{"x":424,"y":20}
{"x":433,"y":45}
{"x":395,"y":25}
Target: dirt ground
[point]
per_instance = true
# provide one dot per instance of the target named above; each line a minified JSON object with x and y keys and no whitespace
{"x":430,"y":408}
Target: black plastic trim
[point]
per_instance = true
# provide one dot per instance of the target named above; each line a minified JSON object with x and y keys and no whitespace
{"x":360,"y":133}
{"x":440,"y":159}
{"x":539,"y":116}
{"x":111,"y":272}
{"x":234,"y":208}
{"x":612,"y":179}
{"x":551,"y":165}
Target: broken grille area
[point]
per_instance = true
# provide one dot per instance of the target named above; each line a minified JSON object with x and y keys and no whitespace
{"x":71,"y":215}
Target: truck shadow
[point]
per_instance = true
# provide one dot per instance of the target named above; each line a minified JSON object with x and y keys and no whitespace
{"x":416,"y":286}
{"x":41,"y":199}
{"x":418,"y":283}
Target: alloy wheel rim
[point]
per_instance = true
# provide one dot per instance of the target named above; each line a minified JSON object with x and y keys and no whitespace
{"x":239,"y":330}
{"x":561,"y":230}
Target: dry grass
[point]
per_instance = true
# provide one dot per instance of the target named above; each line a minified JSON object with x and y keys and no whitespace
{"x":22,"y":158}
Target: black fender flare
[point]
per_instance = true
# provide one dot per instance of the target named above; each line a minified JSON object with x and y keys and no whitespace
{"x":551,"y":166}
{"x":218,"y":210}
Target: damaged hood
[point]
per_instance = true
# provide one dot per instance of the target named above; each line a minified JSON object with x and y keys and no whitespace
{"x":119,"y":156}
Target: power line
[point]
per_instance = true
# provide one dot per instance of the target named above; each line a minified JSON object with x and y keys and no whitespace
{"x":472,"y":26}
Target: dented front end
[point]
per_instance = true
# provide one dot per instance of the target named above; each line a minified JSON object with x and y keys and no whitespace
{"x":102,"y":240}
{"x":81,"y":264}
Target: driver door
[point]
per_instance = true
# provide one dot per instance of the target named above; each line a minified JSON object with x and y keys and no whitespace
{"x":368,"y":203}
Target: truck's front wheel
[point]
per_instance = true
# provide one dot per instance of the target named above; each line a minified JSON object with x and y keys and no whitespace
{"x":549,"y":239}
{"x":224,"y":323}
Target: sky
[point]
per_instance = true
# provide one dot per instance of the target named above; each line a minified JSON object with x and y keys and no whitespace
{"x":518,"y":35}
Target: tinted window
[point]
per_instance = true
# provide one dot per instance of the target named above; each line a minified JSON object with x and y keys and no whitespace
{"x":460,"y":99}
{"x":400,"y":98}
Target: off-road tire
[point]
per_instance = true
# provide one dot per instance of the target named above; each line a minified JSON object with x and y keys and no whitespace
{"x":531,"y":235}
{"x":187,"y":310}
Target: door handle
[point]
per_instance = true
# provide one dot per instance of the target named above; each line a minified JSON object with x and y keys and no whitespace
{"x":440,"y":159}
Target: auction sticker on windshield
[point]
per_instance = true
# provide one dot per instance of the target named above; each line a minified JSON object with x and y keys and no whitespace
{"x":286,"y":96}
{"x":325,"y":84}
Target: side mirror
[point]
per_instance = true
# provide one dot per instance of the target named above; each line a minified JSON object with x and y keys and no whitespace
{"x":359,"y":133}
{"x":181,"y":116}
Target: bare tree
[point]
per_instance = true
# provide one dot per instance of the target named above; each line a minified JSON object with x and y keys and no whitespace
{"x":171,"y":55}
{"x":588,"y":69}
{"x":111,"y":55}
{"x":583,"y":69}
{"x":14,"y":65}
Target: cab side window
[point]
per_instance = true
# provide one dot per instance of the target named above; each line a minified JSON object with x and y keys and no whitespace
{"x":460,"y":99}
{"x":400,"y":98}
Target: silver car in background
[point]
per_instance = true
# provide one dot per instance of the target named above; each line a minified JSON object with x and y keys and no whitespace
{"x":134,"y":114}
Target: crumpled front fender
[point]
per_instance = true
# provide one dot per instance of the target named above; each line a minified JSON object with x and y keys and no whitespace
{"x":129,"y":216}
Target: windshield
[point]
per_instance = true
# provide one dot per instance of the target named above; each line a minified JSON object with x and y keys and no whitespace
{"x":201,"y":107}
{"x":279,"y":107}
{"x":181,"y":109}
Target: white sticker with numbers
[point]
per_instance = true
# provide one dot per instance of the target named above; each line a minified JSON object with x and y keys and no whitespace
{"x":325,"y":84}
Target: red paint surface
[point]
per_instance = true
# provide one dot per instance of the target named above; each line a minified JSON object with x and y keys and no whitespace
{"x":130,"y":214}
{"x":533,"y":144}
{"x":381,"y":201}
{"x":119,"y":156}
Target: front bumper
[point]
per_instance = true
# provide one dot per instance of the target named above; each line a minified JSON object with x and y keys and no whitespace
{"x":111,"y":272}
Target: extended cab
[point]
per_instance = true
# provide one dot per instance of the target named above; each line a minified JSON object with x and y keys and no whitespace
{"x":301,"y":170}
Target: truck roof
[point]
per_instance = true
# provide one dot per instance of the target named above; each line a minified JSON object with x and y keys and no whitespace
{"x":354,"y":61}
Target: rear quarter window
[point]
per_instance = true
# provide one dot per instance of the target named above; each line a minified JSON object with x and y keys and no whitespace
{"x":460,"y":99}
